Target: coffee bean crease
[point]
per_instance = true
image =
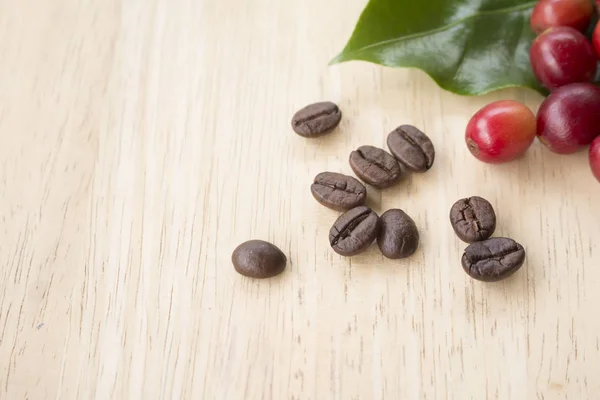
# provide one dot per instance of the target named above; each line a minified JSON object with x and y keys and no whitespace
{"x":374,"y":163}
{"x":354,"y":231}
{"x":337,"y":191}
{"x":412,"y":148}
{"x":473,"y":219}
{"x":493,"y":259}
{"x":347,"y":229}
{"x":375,"y":166}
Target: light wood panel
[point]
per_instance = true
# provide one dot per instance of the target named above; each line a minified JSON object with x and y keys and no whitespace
{"x":142,"y":140}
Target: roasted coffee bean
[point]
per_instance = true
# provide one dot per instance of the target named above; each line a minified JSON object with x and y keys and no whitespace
{"x":375,"y":166}
{"x":354,"y":231}
{"x":412,"y":148}
{"x":473,"y":219}
{"x":316,"y":119}
{"x":338,"y":192}
{"x":258,"y":259}
{"x":493,"y":259}
{"x":398,"y":235}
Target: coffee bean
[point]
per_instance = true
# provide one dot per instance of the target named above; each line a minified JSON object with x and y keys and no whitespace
{"x":316,"y":119}
{"x":354,"y":231}
{"x":493,"y":259}
{"x":258,"y":259}
{"x":338,"y":192}
{"x":412,"y":148}
{"x":398,"y":236}
{"x":375,"y":166}
{"x":473,"y":219}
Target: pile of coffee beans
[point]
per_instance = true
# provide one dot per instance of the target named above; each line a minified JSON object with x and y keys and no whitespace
{"x":474,"y":221}
{"x":354,"y":231}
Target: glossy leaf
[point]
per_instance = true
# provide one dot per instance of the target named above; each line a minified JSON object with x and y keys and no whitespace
{"x":469,"y":47}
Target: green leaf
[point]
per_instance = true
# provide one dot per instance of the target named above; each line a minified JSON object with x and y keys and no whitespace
{"x":469,"y":47}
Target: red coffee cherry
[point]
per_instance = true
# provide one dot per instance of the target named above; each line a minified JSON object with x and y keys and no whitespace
{"x":500,"y":132}
{"x":561,"y":56}
{"x":576,"y":14}
{"x":569,"y":118}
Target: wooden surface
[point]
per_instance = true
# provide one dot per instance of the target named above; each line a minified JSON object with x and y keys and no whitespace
{"x":142,"y":140}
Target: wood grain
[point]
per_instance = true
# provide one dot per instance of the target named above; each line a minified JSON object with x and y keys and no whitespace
{"x":142,"y":140}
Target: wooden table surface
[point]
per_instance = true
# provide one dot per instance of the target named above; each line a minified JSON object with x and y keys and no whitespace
{"x":142,"y":140}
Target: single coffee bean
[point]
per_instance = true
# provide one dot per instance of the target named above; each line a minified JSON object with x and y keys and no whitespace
{"x":493,"y":259}
{"x":258,"y":259}
{"x":316,"y":119}
{"x":473,"y":219}
{"x":338,"y":192}
{"x":375,"y":166}
{"x":398,"y":236}
{"x":412,"y":148}
{"x":354,"y":231}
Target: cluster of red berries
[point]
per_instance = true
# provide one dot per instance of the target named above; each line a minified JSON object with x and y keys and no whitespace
{"x":565,"y":61}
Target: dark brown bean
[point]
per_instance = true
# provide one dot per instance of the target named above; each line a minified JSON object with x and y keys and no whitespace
{"x":398,"y":236}
{"x":258,"y":259}
{"x":473,"y":219}
{"x":375,"y":166}
{"x":493,"y":259}
{"x":354,"y":231}
{"x":316,"y":119}
{"x":338,"y":192}
{"x":412,"y":148}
